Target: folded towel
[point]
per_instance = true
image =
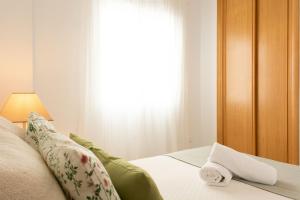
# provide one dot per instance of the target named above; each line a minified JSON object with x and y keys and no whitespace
{"x":242,"y":165}
{"x":215,"y":174}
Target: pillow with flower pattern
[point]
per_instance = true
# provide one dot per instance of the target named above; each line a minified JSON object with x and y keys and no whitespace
{"x":37,"y":125}
{"x":78,"y":170}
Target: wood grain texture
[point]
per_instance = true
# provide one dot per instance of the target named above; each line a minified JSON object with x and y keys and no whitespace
{"x":238,"y":89}
{"x":293,"y":82}
{"x":220,"y":58}
{"x":272,"y":74}
{"x":258,"y":77}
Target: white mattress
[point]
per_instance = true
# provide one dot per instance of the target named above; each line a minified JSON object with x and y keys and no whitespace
{"x":180,"y":181}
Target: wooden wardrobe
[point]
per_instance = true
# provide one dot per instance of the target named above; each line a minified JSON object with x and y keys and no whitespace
{"x":258,"y":70}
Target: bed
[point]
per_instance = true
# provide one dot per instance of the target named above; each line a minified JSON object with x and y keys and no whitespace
{"x":177,"y":177}
{"x":24,"y":175}
{"x":180,"y":181}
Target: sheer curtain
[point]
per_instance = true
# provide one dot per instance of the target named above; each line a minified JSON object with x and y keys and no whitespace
{"x":133,"y":92}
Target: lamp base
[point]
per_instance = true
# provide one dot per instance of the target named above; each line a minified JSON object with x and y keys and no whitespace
{"x":24,"y":125}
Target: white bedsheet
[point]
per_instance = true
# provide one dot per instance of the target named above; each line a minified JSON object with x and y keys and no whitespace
{"x":180,"y":181}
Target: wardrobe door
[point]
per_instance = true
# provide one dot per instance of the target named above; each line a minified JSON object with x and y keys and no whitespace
{"x":277,"y":80}
{"x":236,"y":74}
{"x":272,"y":71}
{"x":258,"y":77}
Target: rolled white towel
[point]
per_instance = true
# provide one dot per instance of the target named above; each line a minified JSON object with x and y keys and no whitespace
{"x":215,"y":174}
{"x":242,"y":165}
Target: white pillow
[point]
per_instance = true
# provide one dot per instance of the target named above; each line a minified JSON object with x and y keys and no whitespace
{"x":79,"y":171}
{"x":13,"y":128}
{"x":23,"y":173}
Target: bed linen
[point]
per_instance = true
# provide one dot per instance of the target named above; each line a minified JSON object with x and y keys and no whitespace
{"x":288,"y":183}
{"x":178,"y":180}
{"x":23,"y":173}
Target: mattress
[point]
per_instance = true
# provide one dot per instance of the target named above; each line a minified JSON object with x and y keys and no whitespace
{"x":177,"y":180}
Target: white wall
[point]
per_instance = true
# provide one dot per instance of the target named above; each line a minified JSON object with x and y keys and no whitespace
{"x":57,"y":36}
{"x":201,"y":61}
{"x":15,"y":47}
{"x":56,"y":31}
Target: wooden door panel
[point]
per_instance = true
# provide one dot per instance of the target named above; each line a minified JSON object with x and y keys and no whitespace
{"x":272,"y":71}
{"x":238,"y":101}
{"x":258,"y":77}
{"x":293,"y":82}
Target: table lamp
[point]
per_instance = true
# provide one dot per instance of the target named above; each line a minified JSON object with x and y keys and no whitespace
{"x":19,"y":105}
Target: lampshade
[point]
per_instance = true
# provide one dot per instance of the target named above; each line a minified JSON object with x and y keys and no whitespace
{"x":19,"y":105}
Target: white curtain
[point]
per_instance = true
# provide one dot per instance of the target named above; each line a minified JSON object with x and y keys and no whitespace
{"x":133,"y":92}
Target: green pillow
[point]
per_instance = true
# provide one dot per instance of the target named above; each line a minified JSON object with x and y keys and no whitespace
{"x":130,"y":181}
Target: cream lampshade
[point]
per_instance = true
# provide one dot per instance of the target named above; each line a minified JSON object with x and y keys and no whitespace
{"x":19,"y":105}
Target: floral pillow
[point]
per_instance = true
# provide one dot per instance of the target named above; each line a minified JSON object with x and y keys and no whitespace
{"x":37,"y":125}
{"x":80,"y":173}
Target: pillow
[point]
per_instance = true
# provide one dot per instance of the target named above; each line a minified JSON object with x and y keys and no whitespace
{"x":78,"y":170}
{"x":37,"y":125}
{"x":13,"y":128}
{"x":130,"y":181}
{"x":24,"y":174}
